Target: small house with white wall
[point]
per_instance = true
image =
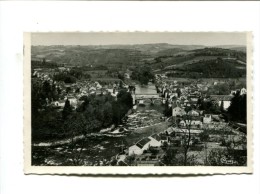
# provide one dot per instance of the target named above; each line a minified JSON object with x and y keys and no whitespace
{"x":139,"y":147}
{"x":177,"y":111}
{"x":193,"y":113}
{"x":155,"y":140}
{"x":144,"y":144}
{"x":226,"y":99}
{"x":242,"y":91}
{"x":207,"y":119}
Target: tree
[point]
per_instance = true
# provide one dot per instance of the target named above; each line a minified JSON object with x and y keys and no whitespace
{"x":125,"y":98}
{"x":144,"y":80}
{"x":170,"y":158}
{"x":108,"y":114}
{"x":143,"y":74}
{"x":67,"y":110}
{"x":222,"y":106}
{"x":43,"y":61}
{"x":70,"y":79}
{"x":215,"y":157}
{"x":167,"y":109}
{"x":238,"y":108}
{"x":120,"y":76}
{"x":187,"y":138}
{"x":204,"y":137}
{"x":73,"y":128}
{"x":46,"y":90}
{"x":92,"y":122}
{"x":178,"y":92}
{"x":116,"y":113}
{"x":35,"y":101}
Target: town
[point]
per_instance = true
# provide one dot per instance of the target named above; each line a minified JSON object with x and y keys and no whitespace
{"x":102,"y":116}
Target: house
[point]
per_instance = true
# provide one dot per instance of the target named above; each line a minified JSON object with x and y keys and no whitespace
{"x":121,"y":163}
{"x":183,"y":98}
{"x":242,"y":91}
{"x":163,"y":101}
{"x":99,"y":91}
{"x":60,"y":103}
{"x":139,"y":147}
{"x":73,"y":101}
{"x":186,"y":102}
{"x":195,"y":123}
{"x":233,"y":92}
{"x":194,"y":98}
{"x":169,"y":131}
{"x":166,"y":93}
{"x":141,"y":101}
{"x":193,"y":113}
{"x":182,"y":123}
{"x":155,"y":140}
{"x":164,"y":138}
{"x":207,"y":118}
{"x":149,"y":159}
{"x":127,"y":76}
{"x":163,"y":90}
{"x":193,"y":132}
{"x":177,"y":111}
{"x":174,"y":94}
{"x":204,"y":89}
{"x":191,"y":123}
{"x":144,"y":144}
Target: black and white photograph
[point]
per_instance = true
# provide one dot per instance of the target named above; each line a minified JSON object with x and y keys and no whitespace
{"x":176,"y":99}
{"x":129,"y":96}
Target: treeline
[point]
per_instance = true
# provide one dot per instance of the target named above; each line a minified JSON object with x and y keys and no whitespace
{"x":43,"y":93}
{"x":220,"y":52}
{"x":209,"y":107}
{"x":209,"y":69}
{"x":71,"y":76}
{"x":217,"y":69}
{"x":43,"y":63}
{"x":220,"y":89}
{"x":96,"y":112}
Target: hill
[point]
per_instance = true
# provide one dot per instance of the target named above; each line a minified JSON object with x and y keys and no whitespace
{"x":215,"y":68}
{"x":159,"y":57}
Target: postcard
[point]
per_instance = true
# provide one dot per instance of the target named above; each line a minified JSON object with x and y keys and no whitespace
{"x":138,"y":103}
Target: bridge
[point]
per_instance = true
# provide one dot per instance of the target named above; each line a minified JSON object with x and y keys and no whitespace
{"x":141,"y":98}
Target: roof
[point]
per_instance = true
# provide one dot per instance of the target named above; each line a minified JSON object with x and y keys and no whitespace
{"x":142,"y":142}
{"x":192,"y":131}
{"x":164,"y":137}
{"x":170,"y":130}
{"x":122,"y":163}
{"x":178,"y":108}
{"x":221,"y":97}
{"x":92,"y":88}
{"x":156,"y":136}
{"x":193,"y":112}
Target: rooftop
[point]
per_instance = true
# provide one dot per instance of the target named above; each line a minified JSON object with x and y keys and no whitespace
{"x":142,"y":142}
{"x":156,"y":136}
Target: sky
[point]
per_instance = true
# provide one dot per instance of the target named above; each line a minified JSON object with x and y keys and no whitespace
{"x":125,"y":38}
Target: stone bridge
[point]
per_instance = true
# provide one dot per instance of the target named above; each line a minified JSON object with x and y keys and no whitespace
{"x":141,"y":98}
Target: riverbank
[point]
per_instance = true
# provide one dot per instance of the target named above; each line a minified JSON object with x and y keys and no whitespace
{"x":99,"y":148}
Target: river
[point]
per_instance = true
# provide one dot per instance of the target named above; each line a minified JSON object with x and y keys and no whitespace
{"x":100,"y":148}
{"x":145,"y":89}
